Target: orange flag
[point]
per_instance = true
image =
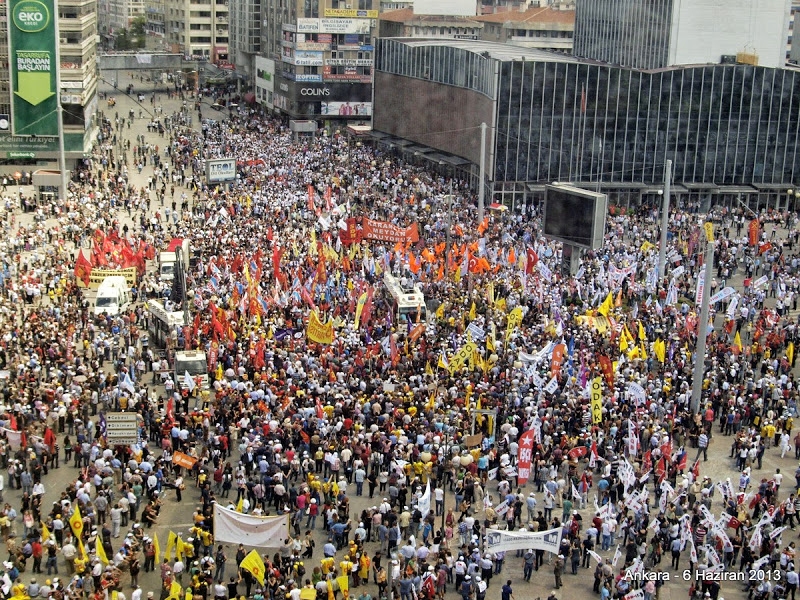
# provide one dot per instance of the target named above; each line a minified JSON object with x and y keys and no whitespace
{"x":413,"y":263}
{"x":484,"y":225}
{"x":512,"y":257}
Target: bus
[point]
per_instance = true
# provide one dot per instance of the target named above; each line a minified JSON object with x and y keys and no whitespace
{"x":408,"y":301}
{"x":163,"y":327}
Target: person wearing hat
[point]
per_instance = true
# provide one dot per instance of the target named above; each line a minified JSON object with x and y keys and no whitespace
{"x":558,"y":570}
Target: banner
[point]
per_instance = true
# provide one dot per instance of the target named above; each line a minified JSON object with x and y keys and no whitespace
{"x":237,"y":528}
{"x":753,"y":232}
{"x":637,"y":393}
{"x":504,"y":541}
{"x":349,"y":234}
{"x":524,"y":457}
{"x":461,"y":356}
{"x":183,"y":460}
{"x":701,"y":281}
{"x":253,"y":564}
{"x":319,"y":332}
{"x":424,"y":503}
{"x":597,"y":400}
{"x":388,"y":232}
{"x":32,"y":41}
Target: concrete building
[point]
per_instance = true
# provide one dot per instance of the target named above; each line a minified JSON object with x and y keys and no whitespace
{"x":543,"y":28}
{"x":244,"y":41}
{"x":78,"y":47}
{"x":121,"y":14}
{"x":405,"y":23}
{"x":654,"y":34}
{"x":198,"y":28}
{"x":323,"y":57}
{"x":154,"y":18}
{"x":730,"y":129}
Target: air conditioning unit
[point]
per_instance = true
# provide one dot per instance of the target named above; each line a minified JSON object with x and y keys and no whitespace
{"x":63,"y":40}
{"x":348,"y":6}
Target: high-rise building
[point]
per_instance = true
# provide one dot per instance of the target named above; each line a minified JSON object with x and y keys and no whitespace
{"x":121,"y":14}
{"x":198,"y":28}
{"x":154,"y":15}
{"x":654,"y":34}
{"x":244,"y":41}
{"x":322,"y":54}
{"x":77,"y":20}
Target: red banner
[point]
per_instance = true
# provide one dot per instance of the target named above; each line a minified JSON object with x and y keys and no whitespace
{"x":608,"y":371}
{"x":524,"y":457}
{"x":557,"y":359}
{"x":753,"y":232}
{"x":350,"y":235}
{"x":83,"y":268}
{"x":387,"y":232}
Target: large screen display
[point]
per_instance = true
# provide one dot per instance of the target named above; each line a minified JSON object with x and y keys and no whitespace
{"x":575,"y":216}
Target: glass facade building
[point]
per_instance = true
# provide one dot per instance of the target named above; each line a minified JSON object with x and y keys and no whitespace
{"x":729,"y":129}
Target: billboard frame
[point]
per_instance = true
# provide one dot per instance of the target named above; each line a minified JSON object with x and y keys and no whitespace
{"x":230,"y":170}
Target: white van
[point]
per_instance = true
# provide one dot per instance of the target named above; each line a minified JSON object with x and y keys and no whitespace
{"x":408,"y":301}
{"x":113,"y":296}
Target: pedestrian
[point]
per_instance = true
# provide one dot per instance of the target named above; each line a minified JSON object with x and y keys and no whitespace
{"x":558,"y":569}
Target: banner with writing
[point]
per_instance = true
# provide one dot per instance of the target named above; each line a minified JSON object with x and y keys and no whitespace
{"x":388,"y":232}
{"x":319,"y":332}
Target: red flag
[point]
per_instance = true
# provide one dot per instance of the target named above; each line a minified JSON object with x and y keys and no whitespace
{"x":647,"y":461}
{"x":328,"y":196}
{"x":661,"y":469}
{"x":608,"y":370}
{"x":666,"y":450}
{"x":531,"y":259}
{"x":557,"y":359}
{"x":696,"y":469}
{"x":277,"y":254}
{"x":593,"y":456}
{"x":311,"y":206}
{"x":320,"y":412}
{"x":395,"y":354}
{"x":753,"y":232}
{"x":525,"y":457}
{"x":682,"y":461}
{"x":83,"y":268}
{"x":578,"y":452}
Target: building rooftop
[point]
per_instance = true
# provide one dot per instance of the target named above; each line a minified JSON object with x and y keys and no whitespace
{"x":532,"y":15}
{"x":406,"y":15}
{"x":495,"y":50}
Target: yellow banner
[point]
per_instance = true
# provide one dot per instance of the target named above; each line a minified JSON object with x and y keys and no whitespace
{"x":351,"y":13}
{"x":461,"y":356}
{"x":514,"y":319}
{"x":98,"y":275}
{"x":597,"y":400}
{"x":319,"y":332}
{"x":362,"y":300}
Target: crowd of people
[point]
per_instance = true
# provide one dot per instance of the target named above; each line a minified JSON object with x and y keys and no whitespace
{"x":363,"y":430}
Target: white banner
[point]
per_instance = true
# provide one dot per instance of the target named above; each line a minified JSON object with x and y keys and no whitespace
{"x":637,"y":392}
{"x":760,"y":281}
{"x":250,"y":530}
{"x":503,"y":541}
{"x":701,"y":282}
{"x":722,"y":294}
{"x":552,"y":386}
{"x":424,"y":503}
{"x":14,"y":438}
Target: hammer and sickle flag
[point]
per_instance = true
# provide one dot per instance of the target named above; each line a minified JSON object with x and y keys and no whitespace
{"x":253,"y":563}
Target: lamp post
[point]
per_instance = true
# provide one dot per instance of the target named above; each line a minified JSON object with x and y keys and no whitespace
{"x":662,"y":248}
{"x":789,"y":195}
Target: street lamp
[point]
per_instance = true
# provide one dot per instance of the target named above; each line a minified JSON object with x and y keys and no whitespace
{"x":789,"y":195}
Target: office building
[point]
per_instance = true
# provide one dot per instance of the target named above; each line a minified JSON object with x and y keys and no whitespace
{"x":323,"y":56}
{"x":544,"y":28}
{"x":244,"y":41}
{"x":154,"y":18}
{"x":77,"y":21}
{"x":121,"y":14}
{"x":731,"y":130}
{"x":654,"y":34}
{"x":198,"y":28}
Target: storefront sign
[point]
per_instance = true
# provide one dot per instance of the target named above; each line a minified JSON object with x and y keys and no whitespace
{"x":351,"y":13}
{"x":307,"y":25}
{"x":34,"y":103}
{"x":361,"y":26}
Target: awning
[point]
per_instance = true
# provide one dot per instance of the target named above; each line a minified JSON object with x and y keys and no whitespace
{"x":46,"y":177}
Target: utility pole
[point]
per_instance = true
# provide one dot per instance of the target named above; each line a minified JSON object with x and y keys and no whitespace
{"x":449,"y":227}
{"x":481,"y":189}
{"x":62,"y":157}
{"x":702,"y":323}
{"x":662,"y":249}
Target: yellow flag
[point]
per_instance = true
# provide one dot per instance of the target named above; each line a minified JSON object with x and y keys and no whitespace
{"x":76,"y":522}
{"x":254,"y":565}
{"x":362,"y":301}
{"x":789,"y":351}
{"x":623,"y":343}
{"x":500,"y":304}
{"x":240,"y":505}
{"x":428,"y":368}
{"x":443,"y":363}
{"x":45,"y":532}
{"x":627,"y":333}
{"x":737,"y":341}
{"x":82,"y":550}
{"x":472,"y":312}
{"x":490,"y":343}
{"x":157,"y":548}
{"x":659,"y":349}
{"x":179,"y":548}
{"x":490,"y":293}
{"x":642,"y":335}
{"x":101,"y":552}
{"x":175,"y":590}
{"x":457,"y":275}
{"x":170,"y":545}
{"x":606,"y":306}
{"x":431,"y":400}
{"x":440,"y":311}
{"x":642,"y":351}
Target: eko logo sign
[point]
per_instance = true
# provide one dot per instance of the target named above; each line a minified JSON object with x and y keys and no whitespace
{"x":31,"y":16}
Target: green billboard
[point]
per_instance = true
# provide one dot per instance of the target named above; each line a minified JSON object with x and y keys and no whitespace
{"x":32,"y":42}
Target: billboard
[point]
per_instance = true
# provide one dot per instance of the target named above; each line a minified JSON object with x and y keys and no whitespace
{"x":575,"y":216}
{"x":220,"y":169}
{"x":347,"y":109}
{"x":32,"y":54}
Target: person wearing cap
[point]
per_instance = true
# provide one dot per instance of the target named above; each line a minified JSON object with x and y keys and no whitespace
{"x":466,"y":588}
{"x":558,"y":570}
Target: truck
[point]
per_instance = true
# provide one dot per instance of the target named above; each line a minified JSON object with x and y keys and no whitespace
{"x":113,"y":296}
{"x":195,"y":363}
{"x":166,"y":259}
{"x":408,"y":301}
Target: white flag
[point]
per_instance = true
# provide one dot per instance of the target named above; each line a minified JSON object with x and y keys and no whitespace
{"x":617,"y":556}
{"x":189,"y":382}
{"x":424,"y":503}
